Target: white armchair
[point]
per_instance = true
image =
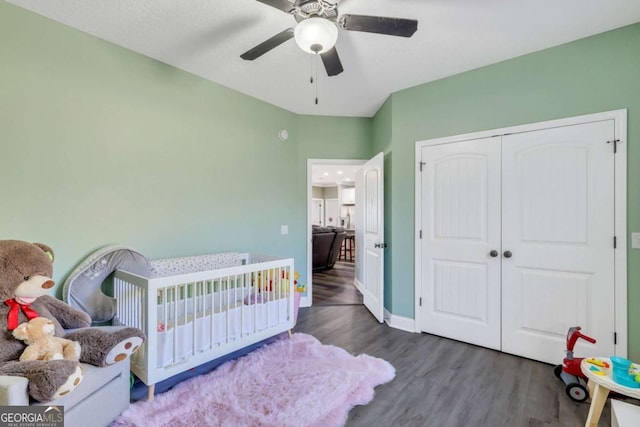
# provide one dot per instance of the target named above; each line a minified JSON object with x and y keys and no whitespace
{"x":13,"y":391}
{"x":101,"y":396}
{"x":98,"y":400}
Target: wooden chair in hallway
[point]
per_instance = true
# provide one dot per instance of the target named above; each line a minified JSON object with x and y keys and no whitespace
{"x":348,"y":248}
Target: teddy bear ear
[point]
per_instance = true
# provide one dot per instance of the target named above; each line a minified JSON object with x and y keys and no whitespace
{"x":47,"y":250}
{"x":21,"y":331}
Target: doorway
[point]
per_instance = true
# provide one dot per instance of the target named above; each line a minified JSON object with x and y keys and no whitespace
{"x":367,"y":227}
{"x":333,"y":258}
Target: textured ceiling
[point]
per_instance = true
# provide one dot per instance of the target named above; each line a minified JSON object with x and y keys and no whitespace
{"x":206,"y":38}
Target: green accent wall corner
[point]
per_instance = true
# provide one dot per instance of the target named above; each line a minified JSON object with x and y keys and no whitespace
{"x":590,"y":75}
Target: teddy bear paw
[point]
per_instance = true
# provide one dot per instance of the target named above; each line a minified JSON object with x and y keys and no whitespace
{"x":72,"y":382}
{"x":122,"y":350}
{"x":72,"y":351}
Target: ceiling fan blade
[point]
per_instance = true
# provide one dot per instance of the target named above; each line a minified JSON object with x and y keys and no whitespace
{"x":331,"y":62}
{"x":379,"y":24}
{"x":283,"y":5}
{"x":267,"y":45}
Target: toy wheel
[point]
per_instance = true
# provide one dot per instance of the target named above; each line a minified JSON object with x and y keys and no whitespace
{"x":577,"y":392}
{"x":557,"y":370}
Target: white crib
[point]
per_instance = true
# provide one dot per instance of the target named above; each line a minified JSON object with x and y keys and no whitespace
{"x":197,"y":309}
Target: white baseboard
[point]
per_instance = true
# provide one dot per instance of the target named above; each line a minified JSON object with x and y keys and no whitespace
{"x":358,"y":285}
{"x":305,"y":301}
{"x":399,"y":322}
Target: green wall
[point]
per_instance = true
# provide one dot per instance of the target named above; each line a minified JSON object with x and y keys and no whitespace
{"x":330,"y":192}
{"x":317,"y":192}
{"x":591,"y":75}
{"x":324,"y":192}
{"x":323,"y":137}
{"x":101,"y":145}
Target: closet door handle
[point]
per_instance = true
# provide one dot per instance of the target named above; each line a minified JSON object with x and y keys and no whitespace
{"x":493,"y":253}
{"x":507,"y":254}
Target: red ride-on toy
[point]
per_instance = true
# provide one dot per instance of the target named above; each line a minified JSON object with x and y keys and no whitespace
{"x":569,"y":372}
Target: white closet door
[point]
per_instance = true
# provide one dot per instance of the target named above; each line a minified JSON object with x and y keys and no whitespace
{"x":461,"y":226}
{"x":558,"y":225}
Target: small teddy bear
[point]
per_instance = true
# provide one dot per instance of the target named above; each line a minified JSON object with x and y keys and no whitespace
{"x":38,"y":333}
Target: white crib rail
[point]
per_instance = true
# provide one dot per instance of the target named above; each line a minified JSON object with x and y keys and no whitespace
{"x":190,"y":319}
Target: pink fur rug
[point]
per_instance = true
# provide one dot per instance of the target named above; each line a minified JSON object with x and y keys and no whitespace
{"x":296,"y":382}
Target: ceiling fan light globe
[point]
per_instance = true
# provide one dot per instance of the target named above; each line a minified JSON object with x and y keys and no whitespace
{"x":316,"y":35}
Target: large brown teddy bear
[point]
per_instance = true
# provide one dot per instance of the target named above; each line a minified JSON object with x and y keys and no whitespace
{"x":25,"y":279}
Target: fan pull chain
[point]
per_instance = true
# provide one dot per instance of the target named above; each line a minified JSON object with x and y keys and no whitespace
{"x":314,"y":75}
{"x":316,"y":64}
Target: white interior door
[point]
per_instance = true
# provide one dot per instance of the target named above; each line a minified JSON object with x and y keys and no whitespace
{"x":558,"y":226}
{"x":317,"y":211}
{"x":373,"y":234}
{"x":460,"y":229}
{"x":331,"y":212}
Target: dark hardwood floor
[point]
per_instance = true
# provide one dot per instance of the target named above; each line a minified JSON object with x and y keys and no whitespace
{"x":335,"y":286}
{"x":445,"y":383}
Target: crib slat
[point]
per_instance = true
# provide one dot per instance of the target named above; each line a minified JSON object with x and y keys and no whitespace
{"x":254,"y":304}
{"x":240,"y":304}
{"x":227,"y":309}
{"x":192,"y":300}
{"x":174,"y":320}
{"x":213,"y":315}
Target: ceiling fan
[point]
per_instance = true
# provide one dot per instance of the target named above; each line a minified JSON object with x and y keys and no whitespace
{"x":317,"y":29}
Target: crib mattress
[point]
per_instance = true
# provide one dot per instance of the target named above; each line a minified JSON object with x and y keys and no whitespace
{"x":175,"y":337}
{"x":191,"y":264}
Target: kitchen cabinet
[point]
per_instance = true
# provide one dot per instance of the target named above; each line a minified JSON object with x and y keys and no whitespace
{"x":349,"y":196}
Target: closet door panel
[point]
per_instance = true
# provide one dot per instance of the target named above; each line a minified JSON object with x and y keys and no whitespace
{"x":558,"y":225}
{"x":554,"y":193}
{"x":461,"y":226}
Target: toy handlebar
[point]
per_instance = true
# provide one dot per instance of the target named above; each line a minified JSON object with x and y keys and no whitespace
{"x":574,"y":334}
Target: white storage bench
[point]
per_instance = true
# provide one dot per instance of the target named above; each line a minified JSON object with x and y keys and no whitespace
{"x":624,"y":414}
